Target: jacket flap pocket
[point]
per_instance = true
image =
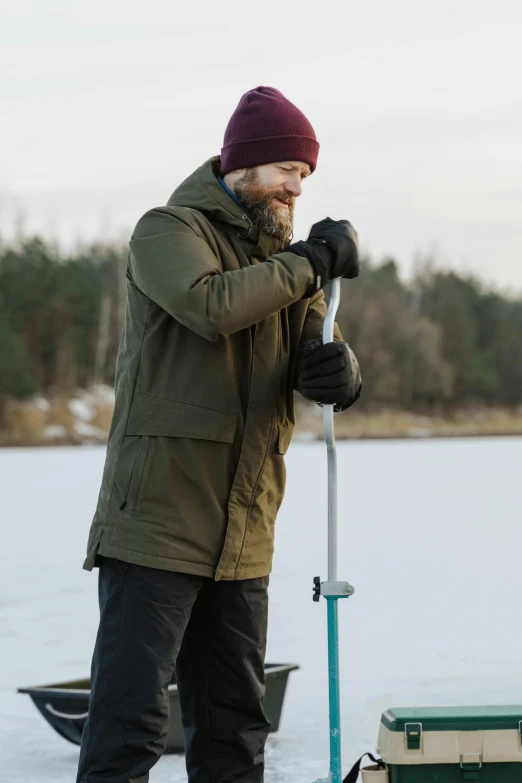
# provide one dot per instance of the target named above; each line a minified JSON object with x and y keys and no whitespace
{"x":284,"y":438}
{"x":160,"y":416}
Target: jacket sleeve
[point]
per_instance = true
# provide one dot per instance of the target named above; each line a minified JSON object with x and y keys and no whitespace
{"x":313,"y":330}
{"x":176,"y":267}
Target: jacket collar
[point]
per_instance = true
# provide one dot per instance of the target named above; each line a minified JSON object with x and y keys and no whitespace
{"x":202,"y":191}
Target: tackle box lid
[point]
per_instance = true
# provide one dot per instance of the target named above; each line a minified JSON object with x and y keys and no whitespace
{"x":465,"y":736}
{"x":477,"y":718}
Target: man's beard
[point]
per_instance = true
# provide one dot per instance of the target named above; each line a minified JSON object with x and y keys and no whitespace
{"x":263,"y":210}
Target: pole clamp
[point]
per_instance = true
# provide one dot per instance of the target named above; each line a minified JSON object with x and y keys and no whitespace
{"x":331,"y":589}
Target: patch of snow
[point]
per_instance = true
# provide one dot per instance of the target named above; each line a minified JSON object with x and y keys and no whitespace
{"x":89,"y":431}
{"x":82,"y":409}
{"x":102,"y":394}
{"x":41,"y":403}
{"x":420,"y":432}
{"x":54,"y":432}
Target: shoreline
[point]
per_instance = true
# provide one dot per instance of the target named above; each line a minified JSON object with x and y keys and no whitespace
{"x":84,"y":418}
{"x":300,"y":436}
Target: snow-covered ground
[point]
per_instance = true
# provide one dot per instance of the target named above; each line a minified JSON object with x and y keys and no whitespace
{"x":430,"y":535}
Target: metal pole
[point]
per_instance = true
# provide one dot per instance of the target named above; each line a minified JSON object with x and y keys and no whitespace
{"x":332,"y":589}
{"x":332,"y":618}
{"x":329,"y":437}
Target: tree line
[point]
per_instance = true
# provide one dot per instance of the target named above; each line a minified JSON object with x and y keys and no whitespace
{"x":439,"y":341}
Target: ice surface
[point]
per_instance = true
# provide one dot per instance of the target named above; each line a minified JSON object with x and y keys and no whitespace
{"x":430,"y":535}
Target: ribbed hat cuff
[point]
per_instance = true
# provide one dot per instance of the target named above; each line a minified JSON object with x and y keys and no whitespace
{"x":256,"y":152}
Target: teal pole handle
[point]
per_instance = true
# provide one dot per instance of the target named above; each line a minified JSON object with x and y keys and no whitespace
{"x":334,"y":691}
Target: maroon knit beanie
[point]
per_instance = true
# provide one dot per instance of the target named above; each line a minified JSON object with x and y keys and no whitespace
{"x":266,"y":128}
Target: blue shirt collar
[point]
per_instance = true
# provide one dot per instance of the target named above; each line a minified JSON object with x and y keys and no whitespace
{"x":230,"y":192}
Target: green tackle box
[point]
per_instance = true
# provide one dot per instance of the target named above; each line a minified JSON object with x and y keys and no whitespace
{"x":452,"y":744}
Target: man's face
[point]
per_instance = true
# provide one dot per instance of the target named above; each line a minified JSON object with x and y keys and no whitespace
{"x":269,"y":192}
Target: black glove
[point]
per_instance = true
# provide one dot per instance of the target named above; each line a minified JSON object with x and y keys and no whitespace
{"x":331,"y":249}
{"x":330,"y":375}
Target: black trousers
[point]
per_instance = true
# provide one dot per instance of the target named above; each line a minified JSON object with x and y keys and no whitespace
{"x":213,"y":634}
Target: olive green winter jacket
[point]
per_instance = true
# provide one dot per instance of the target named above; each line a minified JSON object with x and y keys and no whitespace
{"x":209,"y":355}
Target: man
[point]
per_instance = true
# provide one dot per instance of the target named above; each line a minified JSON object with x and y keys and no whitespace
{"x":223,"y":321}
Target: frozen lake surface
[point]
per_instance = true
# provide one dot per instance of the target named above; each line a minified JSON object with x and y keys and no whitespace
{"x":430,"y":535}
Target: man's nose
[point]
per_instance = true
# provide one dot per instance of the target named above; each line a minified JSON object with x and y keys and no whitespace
{"x":293,"y":185}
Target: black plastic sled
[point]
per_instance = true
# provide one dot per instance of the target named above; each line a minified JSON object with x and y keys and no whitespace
{"x":65,"y":705}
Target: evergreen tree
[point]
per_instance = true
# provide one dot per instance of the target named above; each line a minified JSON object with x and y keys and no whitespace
{"x":16,"y":379}
{"x":441,"y":341}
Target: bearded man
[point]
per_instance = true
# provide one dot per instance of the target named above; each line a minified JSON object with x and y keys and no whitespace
{"x":224,"y":320}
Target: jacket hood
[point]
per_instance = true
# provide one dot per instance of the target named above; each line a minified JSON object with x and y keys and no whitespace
{"x":202,"y":191}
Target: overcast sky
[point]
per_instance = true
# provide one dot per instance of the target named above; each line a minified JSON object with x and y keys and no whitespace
{"x":417,"y":105}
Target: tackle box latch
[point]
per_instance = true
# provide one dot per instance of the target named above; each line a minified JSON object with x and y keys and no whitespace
{"x":471,"y":764}
{"x":413,"y":734}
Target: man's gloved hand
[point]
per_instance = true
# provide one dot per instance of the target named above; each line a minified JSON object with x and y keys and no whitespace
{"x":330,"y":374}
{"x":331,"y":249}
